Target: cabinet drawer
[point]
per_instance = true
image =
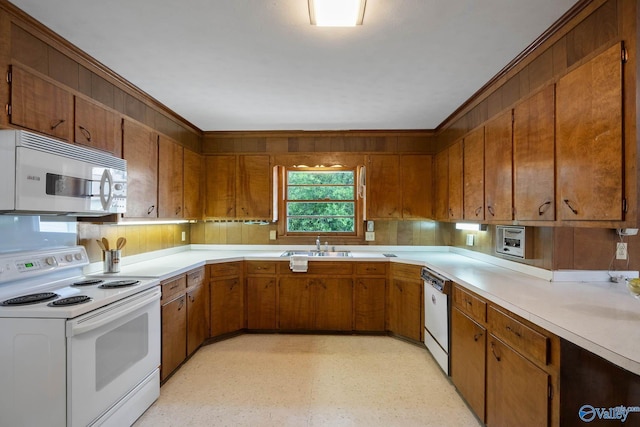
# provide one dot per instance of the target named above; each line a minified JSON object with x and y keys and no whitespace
{"x":371,"y":268}
{"x":470,"y":304}
{"x":521,"y":337}
{"x":173,"y":287}
{"x":409,"y":271}
{"x":260,"y":267}
{"x":225,"y":269}
{"x":195,"y":277}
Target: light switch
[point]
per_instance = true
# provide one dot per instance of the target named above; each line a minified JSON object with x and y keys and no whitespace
{"x":272,"y":235}
{"x":470,"y":239}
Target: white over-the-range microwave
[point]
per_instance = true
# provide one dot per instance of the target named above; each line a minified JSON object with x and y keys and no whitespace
{"x":43,"y":175}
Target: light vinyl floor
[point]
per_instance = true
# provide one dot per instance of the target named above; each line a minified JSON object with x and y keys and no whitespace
{"x":309,"y":380}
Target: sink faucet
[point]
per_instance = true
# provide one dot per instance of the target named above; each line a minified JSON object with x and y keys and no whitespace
{"x":318,"y":242}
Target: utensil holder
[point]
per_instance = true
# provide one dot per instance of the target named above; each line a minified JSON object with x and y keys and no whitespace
{"x":112,"y":261}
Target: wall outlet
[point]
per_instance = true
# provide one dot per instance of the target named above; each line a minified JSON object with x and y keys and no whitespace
{"x":470,"y":238}
{"x":272,"y":235}
{"x":370,"y":226}
{"x":621,"y":250}
{"x":370,"y":236}
{"x":184,"y":236}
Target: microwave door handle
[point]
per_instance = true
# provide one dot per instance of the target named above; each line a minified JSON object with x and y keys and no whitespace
{"x":106,"y":182}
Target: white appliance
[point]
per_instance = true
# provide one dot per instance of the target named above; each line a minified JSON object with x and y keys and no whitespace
{"x":95,"y":362}
{"x":436,"y":316}
{"x":512,"y":240}
{"x":42,"y":175}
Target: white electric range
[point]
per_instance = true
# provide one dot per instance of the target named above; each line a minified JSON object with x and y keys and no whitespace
{"x":75,"y":350}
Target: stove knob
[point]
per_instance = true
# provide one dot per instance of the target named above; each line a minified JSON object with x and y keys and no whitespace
{"x":78,"y":256}
{"x":68,"y":257}
{"x":50,"y":260}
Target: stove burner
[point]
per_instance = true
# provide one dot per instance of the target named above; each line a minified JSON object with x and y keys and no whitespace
{"x":78,"y":299}
{"x":119,"y":284}
{"x":88,"y":282}
{"x":30,"y":299}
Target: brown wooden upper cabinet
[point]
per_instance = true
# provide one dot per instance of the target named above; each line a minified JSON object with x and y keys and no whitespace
{"x":192,"y":185}
{"x":170,"y":178}
{"x":498,"y":168}
{"x":455,"y":174}
{"x":441,"y":188}
{"x":473,"y":175}
{"x":238,"y":187}
{"x":399,"y":186}
{"x":534,"y":157}
{"x":97,"y":127}
{"x":140,"y":150}
{"x":590,"y":146}
{"x":37,"y":103}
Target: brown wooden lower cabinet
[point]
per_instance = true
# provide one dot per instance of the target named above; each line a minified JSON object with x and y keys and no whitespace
{"x":197,"y":317}
{"x":261,"y":303}
{"x":227,"y":306}
{"x":315,"y":303}
{"x":404,"y":301}
{"x":369,"y":304}
{"x":517,"y":390}
{"x":174,"y":338}
{"x":468,"y":352}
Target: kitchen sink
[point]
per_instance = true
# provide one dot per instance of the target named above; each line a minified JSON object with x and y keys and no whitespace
{"x":316,"y":253}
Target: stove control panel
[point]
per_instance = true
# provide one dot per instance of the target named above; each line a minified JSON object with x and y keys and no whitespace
{"x":20,"y":265}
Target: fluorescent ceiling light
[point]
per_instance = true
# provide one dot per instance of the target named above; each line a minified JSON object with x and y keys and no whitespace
{"x":466,"y":226}
{"x":336,"y":13}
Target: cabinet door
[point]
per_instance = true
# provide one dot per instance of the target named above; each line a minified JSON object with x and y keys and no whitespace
{"x":473,"y":175}
{"x":441,"y":196}
{"x":498,"y":168}
{"x":517,"y":390}
{"x":590,"y":146}
{"x":97,"y":127}
{"x":192,"y":180}
{"x":227,"y":306}
{"x":384,"y":196}
{"x":294,"y":303}
{"x":140,"y":150}
{"x":40,"y":105}
{"x":220,"y":188}
{"x":417,"y":186}
{"x":405,"y":308}
{"x":197,"y":317}
{"x":369,"y":303}
{"x":261,"y":303}
{"x":170,"y":178}
{"x":332,"y":304}
{"x":174,"y":335}
{"x":455,"y":181}
{"x":533,"y":157}
{"x":468,"y":344}
{"x":253,"y":187}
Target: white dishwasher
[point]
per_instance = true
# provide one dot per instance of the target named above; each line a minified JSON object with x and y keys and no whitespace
{"x":436,"y":316}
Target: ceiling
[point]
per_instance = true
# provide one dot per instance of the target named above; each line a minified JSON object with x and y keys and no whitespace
{"x":260,"y":65}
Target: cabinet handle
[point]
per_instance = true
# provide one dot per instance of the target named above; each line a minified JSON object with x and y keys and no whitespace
{"x":491,"y":210}
{"x":477,"y":336}
{"x":191,"y":298}
{"x":173,"y":287}
{"x":514,"y":332}
{"x":85,"y":132}
{"x":541,"y":208}
{"x":468,"y":302}
{"x":178,"y":209}
{"x":568,"y":203}
{"x":58,"y":123}
{"x":493,"y":350}
{"x":450,"y":212}
{"x":181,"y":304}
{"x":151,"y":209}
{"x":478,"y":210}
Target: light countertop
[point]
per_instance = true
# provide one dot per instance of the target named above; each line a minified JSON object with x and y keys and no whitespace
{"x":599,"y":316}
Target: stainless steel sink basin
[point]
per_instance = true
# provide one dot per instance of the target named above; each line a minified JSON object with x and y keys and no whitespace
{"x":316,"y":253}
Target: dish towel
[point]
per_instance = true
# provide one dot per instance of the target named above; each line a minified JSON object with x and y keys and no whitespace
{"x":299,"y":263}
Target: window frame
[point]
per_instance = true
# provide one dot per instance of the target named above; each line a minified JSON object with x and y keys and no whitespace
{"x":357,"y":200}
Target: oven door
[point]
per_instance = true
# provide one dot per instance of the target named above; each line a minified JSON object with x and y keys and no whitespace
{"x":110,"y":351}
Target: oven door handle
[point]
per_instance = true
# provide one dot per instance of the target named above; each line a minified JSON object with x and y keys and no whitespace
{"x":111,"y":313}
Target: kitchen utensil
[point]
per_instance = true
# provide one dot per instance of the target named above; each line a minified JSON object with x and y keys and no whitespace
{"x":105,"y":242}
{"x":120,"y":243}
{"x":112,"y":261}
{"x":101,"y":245}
